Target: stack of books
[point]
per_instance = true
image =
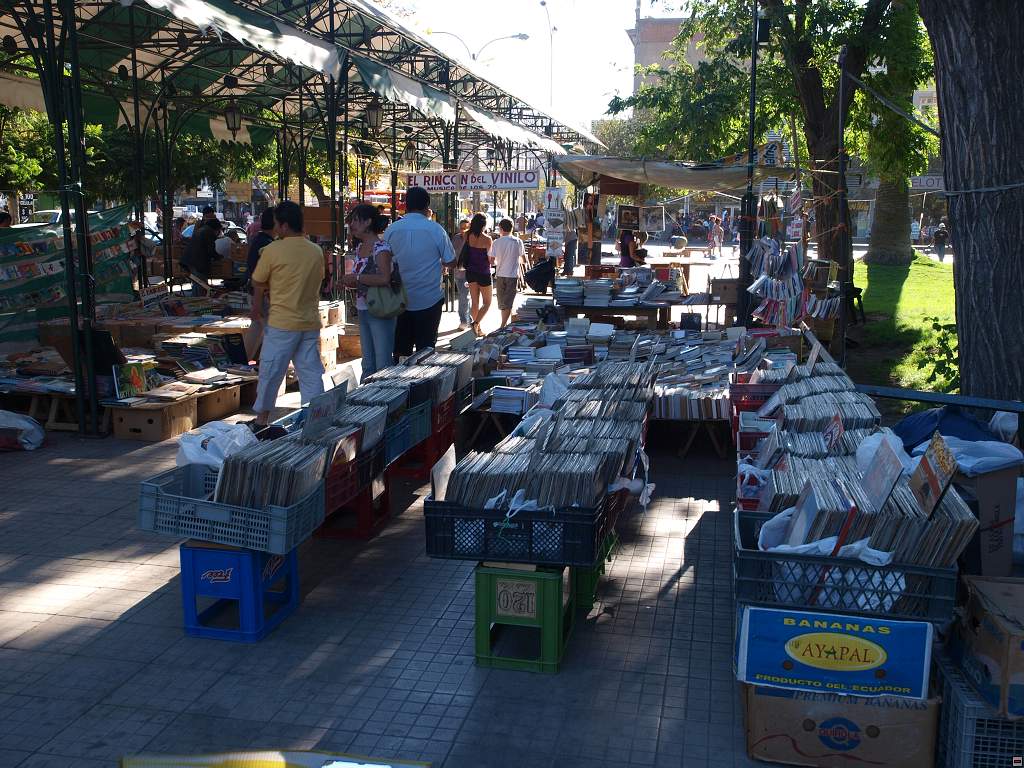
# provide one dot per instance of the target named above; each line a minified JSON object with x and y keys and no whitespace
{"x":569,"y":290}
{"x":597,"y":293}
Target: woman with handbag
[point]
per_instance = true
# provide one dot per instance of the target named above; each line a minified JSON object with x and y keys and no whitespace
{"x":475,"y":260}
{"x":380,"y":297}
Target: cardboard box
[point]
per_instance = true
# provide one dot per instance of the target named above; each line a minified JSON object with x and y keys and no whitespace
{"x":325,"y":314}
{"x":155,"y":423}
{"x":334,"y":313}
{"x":833,"y":653}
{"x":218,"y":403}
{"x":993,"y":498}
{"x":328,"y":339}
{"x":826,"y":730}
{"x":988,"y":642}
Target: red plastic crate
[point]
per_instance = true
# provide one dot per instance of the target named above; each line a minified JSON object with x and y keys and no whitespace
{"x":442,"y":415}
{"x":417,"y":462}
{"x":361,"y":516}
{"x":347,"y":478}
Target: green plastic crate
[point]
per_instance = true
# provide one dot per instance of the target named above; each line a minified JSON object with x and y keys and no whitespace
{"x":540,"y":600}
{"x":586,"y":580}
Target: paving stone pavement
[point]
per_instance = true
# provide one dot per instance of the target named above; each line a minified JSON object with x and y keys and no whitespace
{"x":378,"y":658}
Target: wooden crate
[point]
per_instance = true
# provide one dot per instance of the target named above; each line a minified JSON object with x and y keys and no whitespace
{"x":154,"y":423}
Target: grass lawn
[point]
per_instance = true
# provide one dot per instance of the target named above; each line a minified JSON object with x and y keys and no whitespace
{"x":897,"y":343}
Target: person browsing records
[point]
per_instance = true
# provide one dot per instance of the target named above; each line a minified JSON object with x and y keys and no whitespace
{"x":507,"y":253}
{"x":291,"y":269}
{"x":372,"y":268}
{"x":420,"y":247}
{"x":476,"y":260}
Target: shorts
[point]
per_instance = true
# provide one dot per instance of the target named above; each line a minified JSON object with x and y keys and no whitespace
{"x":507,"y":287}
{"x":483,"y":279}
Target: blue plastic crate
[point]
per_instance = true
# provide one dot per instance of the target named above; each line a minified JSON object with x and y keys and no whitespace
{"x":262,"y":589}
{"x":420,"y":424}
{"x":177,"y":503}
{"x":397,"y":439}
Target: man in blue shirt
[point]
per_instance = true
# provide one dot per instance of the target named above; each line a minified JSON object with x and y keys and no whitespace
{"x":421,"y":248}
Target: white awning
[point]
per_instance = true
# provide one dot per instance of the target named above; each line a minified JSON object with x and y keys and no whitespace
{"x":584,"y":170}
{"x":503,"y":129}
{"x":256,"y":30}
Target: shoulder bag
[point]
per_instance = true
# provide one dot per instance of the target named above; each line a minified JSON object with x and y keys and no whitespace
{"x":387,"y":301}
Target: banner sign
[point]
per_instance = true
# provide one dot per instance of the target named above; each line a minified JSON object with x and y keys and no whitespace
{"x":829,"y":653}
{"x":473,"y":181}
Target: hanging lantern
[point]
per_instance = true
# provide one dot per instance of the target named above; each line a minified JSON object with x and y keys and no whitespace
{"x":409,"y":154}
{"x":182,"y":41}
{"x":122,"y":73}
{"x":233,"y":117}
{"x":10,"y":45}
{"x":375,"y":114}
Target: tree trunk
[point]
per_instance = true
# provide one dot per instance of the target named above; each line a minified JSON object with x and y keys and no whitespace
{"x":826,"y":231}
{"x":890,"y":228}
{"x":317,"y":187}
{"x":979,"y":76}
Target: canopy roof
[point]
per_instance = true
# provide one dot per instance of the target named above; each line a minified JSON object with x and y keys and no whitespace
{"x":277,"y":60}
{"x":585,"y":170}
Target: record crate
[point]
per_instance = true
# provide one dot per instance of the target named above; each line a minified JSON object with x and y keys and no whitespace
{"x":586,"y":580}
{"x":971,"y":733}
{"x":345,"y":480}
{"x":244,"y":594}
{"x":524,"y":616}
{"x":417,"y":462}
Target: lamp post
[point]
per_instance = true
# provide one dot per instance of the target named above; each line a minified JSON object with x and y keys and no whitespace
{"x":551,"y":53}
{"x":759,"y":32}
{"x":476,"y":56}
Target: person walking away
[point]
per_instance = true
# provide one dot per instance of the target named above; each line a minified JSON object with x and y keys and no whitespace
{"x":627,"y":248}
{"x":200,"y":253}
{"x":291,"y":270}
{"x":475,"y":259}
{"x":520,"y":224}
{"x":263,"y":237}
{"x":372,"y":267}
{"x":940,"y":237}
{"x":420,"y":248}
{"x":717,"y":236}
{"x":569,"y":257}
{"x":461,"y":287}
{"x":507,"y":253}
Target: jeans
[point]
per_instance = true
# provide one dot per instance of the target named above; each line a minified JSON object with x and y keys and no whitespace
{"x":377,"y":338}
{"x":281,"y":347}
{"x":462,"y":288}
{"x":569,"y":260}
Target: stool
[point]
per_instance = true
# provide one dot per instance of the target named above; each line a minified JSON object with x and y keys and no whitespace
{"x":585,"y":580}
{"x":856,"y":298}
{"x":262,"y":588}
{"x":527,"y":597}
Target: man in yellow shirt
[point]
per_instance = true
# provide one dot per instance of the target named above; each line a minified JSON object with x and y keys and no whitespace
{"x":291,"y":269}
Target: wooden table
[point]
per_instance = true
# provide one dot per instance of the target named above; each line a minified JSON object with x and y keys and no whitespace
{"x":658,"y":316}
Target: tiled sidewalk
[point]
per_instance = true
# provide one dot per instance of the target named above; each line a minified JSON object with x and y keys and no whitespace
{"x":377,"y":660}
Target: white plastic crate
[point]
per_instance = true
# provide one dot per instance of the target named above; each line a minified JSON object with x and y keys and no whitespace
{"x":971,"y":733}
{"x":177,"y":503}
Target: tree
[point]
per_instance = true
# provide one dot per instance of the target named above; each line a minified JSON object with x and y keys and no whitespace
{"x":892,"y":147}
{"x":979,"y":72}
{"x":798,"y":73}
{"x":620,"y":136}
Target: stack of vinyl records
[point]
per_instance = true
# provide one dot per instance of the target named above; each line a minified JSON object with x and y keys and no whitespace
{"x":552,"y":480}
{"x":341,"y":442}
{"x":616,"y":410}
{"x":393,"y":398}
{"x":461,"y":361}
{"x":279,"y":472}
{"x":813,"y":414}
{"x":597,"y":293}
{"x":372,"y":418}
{"x":439,"y":379}
{"x":569,"y":290}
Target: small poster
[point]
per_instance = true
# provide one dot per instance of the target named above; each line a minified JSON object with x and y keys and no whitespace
{"x":152,"y":295}
{"x":653,"y":218}
{"x":933,"y":475}
{"x":322,"y":409}
{"x":628,"y":217}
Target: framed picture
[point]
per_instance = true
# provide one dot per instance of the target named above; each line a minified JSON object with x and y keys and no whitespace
{"x":653,"y":218}
{"x":628,"y":217}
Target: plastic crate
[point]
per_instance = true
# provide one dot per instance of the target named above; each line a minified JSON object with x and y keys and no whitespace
{"x":569,"y":536}
{"x":839,"y":584}
{"x":463,"y":397}
{"x":419,"y":420}
{"x":397,"y":440}
{"x":175,"y":503}
{"x":442,"y":415}
{"x":971,"y":733}
{"x":346,"y":479}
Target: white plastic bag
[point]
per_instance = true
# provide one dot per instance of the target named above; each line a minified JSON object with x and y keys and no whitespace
{"x":976,"y":457}
{"x":29,"y":432}
{"x":554,"y":387}
{"x":869,"y":447}
{"x":1003,"y":425}
{"x":212,"y":443}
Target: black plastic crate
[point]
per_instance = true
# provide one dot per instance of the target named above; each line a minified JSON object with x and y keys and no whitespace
{"x":568,"y":536}
{"x":836,"y":584}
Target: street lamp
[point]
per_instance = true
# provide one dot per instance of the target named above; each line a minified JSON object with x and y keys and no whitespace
{"x":375,"y":114}
{"x":233,"y":117}
{"x":409,"y":155}
{"x":551,"y":53}
{"x":476,"y":56}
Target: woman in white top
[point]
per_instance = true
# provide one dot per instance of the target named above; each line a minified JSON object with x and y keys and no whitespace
{"x":372,"y":267}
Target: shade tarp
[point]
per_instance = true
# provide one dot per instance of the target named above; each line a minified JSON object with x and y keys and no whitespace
{"x":584,"y":170}
{"x":503,"y":129}
{"x":259,"y":31}
{"x":396,"y":87}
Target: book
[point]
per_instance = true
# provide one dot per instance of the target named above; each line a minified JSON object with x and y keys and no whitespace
{"x":129,"y":380}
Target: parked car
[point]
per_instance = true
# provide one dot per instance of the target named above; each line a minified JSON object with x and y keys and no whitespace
{"x":48,"y":216}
